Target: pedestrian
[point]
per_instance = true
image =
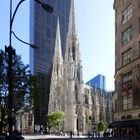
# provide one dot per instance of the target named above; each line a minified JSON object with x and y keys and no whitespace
{"x":70,"y":134}
{"x":98,"y":134}
{"x":104,"y":134}
{"x":112,"y":133}
{"x":78,"y":133}
{"x":89,"y":134}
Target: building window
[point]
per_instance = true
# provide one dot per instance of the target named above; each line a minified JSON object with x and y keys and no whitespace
{"x":127,"y":90}
{"x":127,"y":84}
{"x":127,"y":35}
{"x":127,"y":102}
{"x":127,"y":57}
{"x":48,"y":32}
{"x":86,"y":99}
{"x":127,"y":14}
{"x":73,"y":52}
{"x":139,"y":25}
{"x":124,"y":1}
{"x":139,"y":3}
{"x":127,"y":77}
{"x":129,"y":116}
{"x":123,"y":117}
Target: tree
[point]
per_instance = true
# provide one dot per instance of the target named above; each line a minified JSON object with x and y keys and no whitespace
{"x":55,"y":119}
{"x":101,"y":126}
{"x":23,"y":87}
{"x":34,"y":91}
{"x":21,"y":76}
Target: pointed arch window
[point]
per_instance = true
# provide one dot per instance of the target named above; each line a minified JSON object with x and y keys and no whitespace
{"x":73,"y":52}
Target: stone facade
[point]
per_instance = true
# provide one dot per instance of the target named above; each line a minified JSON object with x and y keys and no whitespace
{"x":83,"y":106}
{"x":56,"y":97}
{"x":69,"y":71}
{"x":98,"y":105}
{"x":127,"y":59}
{"x":24,"y":121}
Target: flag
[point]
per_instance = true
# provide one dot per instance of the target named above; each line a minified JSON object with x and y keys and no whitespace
{"x":126,"y":89}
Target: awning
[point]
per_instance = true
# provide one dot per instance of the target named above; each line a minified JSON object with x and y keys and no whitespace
{"x":127,"y":123}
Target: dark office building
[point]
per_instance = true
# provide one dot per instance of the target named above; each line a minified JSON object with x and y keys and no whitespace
{"x":43,"y":33}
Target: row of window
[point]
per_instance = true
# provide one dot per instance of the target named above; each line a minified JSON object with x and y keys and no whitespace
{"x":127,"y":57}
{"x":127,"y":34}
{"x":126,"y":15}
{"x":129,"y":117}
{"x":126,"y":117}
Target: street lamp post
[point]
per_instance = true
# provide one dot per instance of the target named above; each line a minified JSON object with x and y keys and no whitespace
{"x":11,"y":52}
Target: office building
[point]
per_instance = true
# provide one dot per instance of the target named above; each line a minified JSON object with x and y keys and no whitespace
{"x":127,"y":63}
{"x":43,"y":33}
{"x":98,"y":82}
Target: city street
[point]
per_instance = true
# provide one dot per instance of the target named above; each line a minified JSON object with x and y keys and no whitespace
{"x":37,"y":137}
{"x":52,"y":137}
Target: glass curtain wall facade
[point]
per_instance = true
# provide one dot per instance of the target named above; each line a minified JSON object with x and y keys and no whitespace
{"x":43,"y":34}
{"x":98,"y":81}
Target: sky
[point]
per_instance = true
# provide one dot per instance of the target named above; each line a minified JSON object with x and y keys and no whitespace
{"x":95,"y":22}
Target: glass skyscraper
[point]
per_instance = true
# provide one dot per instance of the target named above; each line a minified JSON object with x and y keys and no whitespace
{"x":98,"y":82}
{"x":43,"y":34}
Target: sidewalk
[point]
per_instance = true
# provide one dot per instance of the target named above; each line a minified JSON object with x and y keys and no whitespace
{"x":39,"y":136}
{"x":54,"y":137}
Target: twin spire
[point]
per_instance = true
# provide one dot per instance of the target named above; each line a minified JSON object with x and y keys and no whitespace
{"x":65,"y":88}
{"x":71,"y":36}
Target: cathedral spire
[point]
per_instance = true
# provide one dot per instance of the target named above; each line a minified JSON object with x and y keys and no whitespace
{"x":72,"y":20}
{"x":58,"y":53}
{"x":56,"y":87}
{"x":71,"y":41}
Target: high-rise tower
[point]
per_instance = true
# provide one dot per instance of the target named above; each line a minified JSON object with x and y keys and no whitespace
{"x":127,"y":60}
{"x":43,"y":33}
